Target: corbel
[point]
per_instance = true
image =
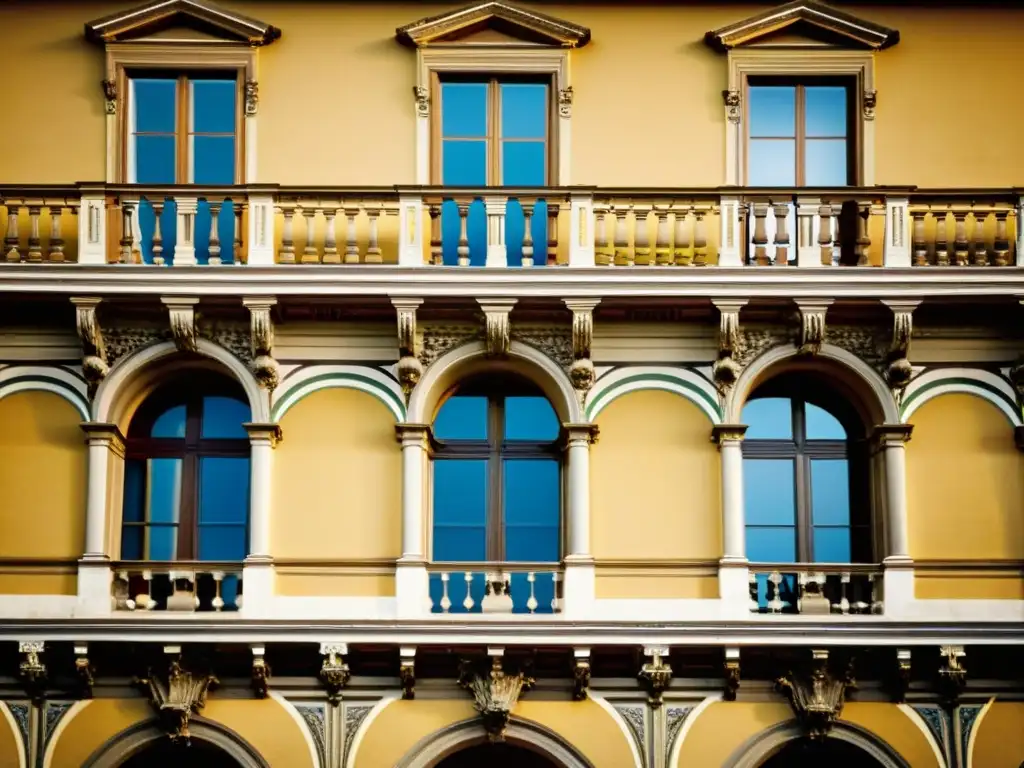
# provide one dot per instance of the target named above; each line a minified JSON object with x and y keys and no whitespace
{"x":581,"y":372}
{"x":952,"y":673}
{"x":84,"y":669}
{"x":182,"y":313}
{"x":901,"y":678}
{"x":732,"y":673}
{"x":252,"y":97}
{"x":31,"y":670}
{"x":410,"y":369}
{"x":110,"y":96}
{"x":817,"y":695}
{"x":812,"y":324}
{"x":495,"y":691}
{"x":260,"y":672}
{"x":565,"y":97}
{"x":261,"y":331}
{"x":422,"y":97}
{"x":581,"y":674}
{"x":870,"y":102}
{"x":496,"y":317}
{"x":178,"y":695}
{"x":407,"y":672}
{"x":94,"y":349}
{"x":334,"y":672}
{"x":898,"y":369}
{"x":656,"y":674}
{"x":732,"y":105}
{"x":726,"y":370}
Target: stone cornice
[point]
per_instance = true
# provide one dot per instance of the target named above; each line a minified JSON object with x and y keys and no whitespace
{"x":130,"y":23}
{"x":528,"y":24}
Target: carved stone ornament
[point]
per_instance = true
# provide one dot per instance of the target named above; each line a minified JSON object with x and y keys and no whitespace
{"x":732,"y":105}
{"x":870,"y":101}
{"x":183,"y":322}
{"x":732,"y":673}
{"x":110,"y":96}
{"x":817,"y":697}
{"x":497,"y":335}
{"x":901,"y":678}
{"x":952,"y":673}
{"x":726,"y":370}
{"x":581,"y":676}
{"x":95,"y":365}
{"x":261,"y":328}
{"x":655,"y":675}
{"x":260,"y":673}
{"x":898,"y":369}
{"x":495,"y":694}
{"x":407,"y":675}
{"x":176,"y":700}
{"x":812,"y":324}
{"x":565,"y":96}
{"x":581,"y":370}
{"x":410,"y":369}
{"x":334,"y":672}
{"x":252,"y":97}
{"x":84,"y":670}
{"x":422,"y":96}
{"x":31,"y":670}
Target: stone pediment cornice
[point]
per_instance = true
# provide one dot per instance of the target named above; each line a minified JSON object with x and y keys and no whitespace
{"x":157,"y":16}
{"x":527,"y":25}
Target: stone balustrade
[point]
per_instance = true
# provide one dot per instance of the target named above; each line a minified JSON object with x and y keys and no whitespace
{"x":178,"y":587}
{"x":520,"y":588}
{"x":816,"y":589}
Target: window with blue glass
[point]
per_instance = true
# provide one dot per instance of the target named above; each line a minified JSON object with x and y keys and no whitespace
{"x":494,"y":131}
{"x":184,"y":129}
{"x":800,"y":133}
{"x":805,"y":478}
{"x":186,"y":486}
{"x":497,"y":483}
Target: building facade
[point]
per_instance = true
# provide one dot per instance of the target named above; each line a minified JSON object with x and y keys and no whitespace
{"x":404,"y":384}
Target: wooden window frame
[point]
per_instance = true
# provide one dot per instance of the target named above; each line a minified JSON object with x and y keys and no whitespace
{"x":140,"y":446}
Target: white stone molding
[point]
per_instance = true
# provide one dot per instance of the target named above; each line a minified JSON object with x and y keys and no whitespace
{"x":413,"y":233}
{"x":614,"y":714}
{"x":364,"y":727}
{"x":314,"y":754}
{"x":684,"y":731}
{"x":685,"y":382}
{"x":260,"y":242}
{"x":312,"y":378}
{"x":581,"y":229}
{"x":92,"y":228}
{"x":922,"y":726}
{"x":42,"y":378}
{"x":987,"y":385}
{"x":73,"y":711}
{"x":765,"y":744}
{"x":968,"y":748}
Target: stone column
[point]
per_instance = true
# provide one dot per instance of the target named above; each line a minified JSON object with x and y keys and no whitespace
{"x":898,"y":580}
{"x":106,"y":444}
{"x":733,"y":579}
{"x":411,"y":582}
{"x":578,"y":584}
{"x":258,"y":573}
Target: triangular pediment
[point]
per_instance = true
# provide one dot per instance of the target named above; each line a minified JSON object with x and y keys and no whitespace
{"x":493,"y":22}
{"x":803,"y":20}
{"x":188,"y":19}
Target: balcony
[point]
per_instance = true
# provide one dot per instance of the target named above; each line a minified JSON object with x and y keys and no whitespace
{"x":816,"y":589}
{"x":495,"y":588}
{"x":265,"y":225}
{"x":181,"y":587}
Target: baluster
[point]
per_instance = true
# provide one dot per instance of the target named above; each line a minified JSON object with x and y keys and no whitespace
{"x":662,"y":238}
{"x":463,"y":247}
{"x":622,"y":236}
{"x":801,"y":589}
{"x":825,"y":234}
{"x":12,"y":239}
{"x":121,"y":591}
{"x":158,"y":240}
{"x":700,"y":239}
{"x":844,"y":597}
{"x":760,"y":235}
{"x":374,"y":254}
{"x":980,"y":253}
{"x":781,"y":211}
{"x":436,"y":249}
{"x":236,"y":242}
{"x":683,"y":256}
{"x":351,"y":242}
{"x":941,"y":245}
{"x":1001,"y":245}
{"x":310,"y":253}
{"x":217,"y":603}
{"x":56,"y":240}
{"x":214,"y":233}
{"x":531,"y":601}
{"x":604,"y":255}
{"x":556,"y":588}
{"x":863,"y":237}
{"x":127,"y":237}
{"x":553,"y":210}
{"x":642,"y":236}
{"x":446,"y":602}
{"x":752,"y":590}
{"x":287,"y":255}
{"x":147,"y":601}
{"x":774,"y":595}
{"x":873,"y":586}
{"x":468,"y":602}
{"x":960,"y":246}
{"x":331,"y":255}
{"x":920,"y":244}
{"x":35,"y":243}
{"x":527,"y":234}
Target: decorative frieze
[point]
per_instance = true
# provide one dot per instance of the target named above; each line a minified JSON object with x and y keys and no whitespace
{"x":656,"y":674}
{"x":177,"y":698}
{"x":812,"y":324}
{"x":497,"y":333}
{"x":334,"y":672}
{"x":495,"y":693}
{"x":261,"y":329}
{"x":726,"y":370}
{"x":816,"y":695}
{"x":95,"y":365}
{"x":31,"y":670}
{"x":410,"y":369}
{"x":260,"y":672}
{"x":182,"y":316}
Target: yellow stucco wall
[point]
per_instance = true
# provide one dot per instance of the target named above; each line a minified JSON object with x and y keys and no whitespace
{"x":92,"y":726}
{"x":9,"y":738}
{"x":999,"y":737}
{"x":893,"y":726}
{"x":42,"y":474}
{"x":329,"y":121}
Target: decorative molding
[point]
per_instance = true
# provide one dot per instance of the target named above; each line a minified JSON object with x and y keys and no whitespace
{"x":655,"y":675}
{"x":252,"y":98}
{"x":354,"y":717}
{"x":898,"y":370}
{"x":407,"y":672}
{"x":864,"y":342}
{"x":439,"y":339}
{"x":410,"y":369}
{"x":20,"y":715}
{"x":312,"y":378}
{"x":816,"y":696}
{"x":726,"y":370}
{"x":110,"y":96}
{"x":315,"y":718}
{"x":133,"y":23}
{"x":182,"y":315}
{"x":968,"y":717}
{"x":869,"y":101}
{"x":422,"y":97}
{"x":751,"y":343}
{"x":581,"y":674}
{"x":55,"y":712}
{"x":937,"y":721}
{"x":986,"y":384}
{"x":31,"y":671}
{"x":334,"y":672}
{"x":952,"y":673}
{"x":497,"y":334}
{"x":581,"y":371}
{"x":261,"y":329}
{"x":554,"y":342}
{"x":260,"y":672}
{"x":177,"y":699}
{"x":636,"y":723}
{"x":565,"y":97}
{"x":495,"y":693}
{"x":733,"y":105}
{"x":526,"y":24}
{"x":732,"y":673}
{"x":95,"y":366}
{"x":812,"y":324}
{"x":84,"y":670}
{"x":685,"y":382}
{"x":675,"y":717}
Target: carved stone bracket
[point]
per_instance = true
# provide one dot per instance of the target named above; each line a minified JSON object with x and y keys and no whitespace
{"x":898,"y":369}
{"x":952,"y":673}
{"x":812,"y":324}
{"x":498,"y":337}
{"x":110,"y":96}
{"x":726,"y":369}
{"x":182,"y":312}
{"x":95,"y":364}
{"x":870,"y":102}
{"x":565,"y":96}
{"x":407,"y":672}
{"x":732,"y":105}
{"x":581,"y":674}
{"x":422,"y":96}
{"x":178,"y":697}
{"x":817,"y":696}
{"x":495,"y":693}
{"x":261,"y":330}
{"x":656,"y":674}
{"x":410,"y":369}
{"x":581,"y":371}
{"x":31,"y":670}
{"x":84,"y":669}
{"x":732,"y":673}
{"x":260,"y":672}
{"x":901,"y":678}
{"x":334,"y":672}
{"x":252,"y":97}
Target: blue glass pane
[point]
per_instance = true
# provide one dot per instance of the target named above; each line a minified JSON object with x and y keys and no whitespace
{"x":460,"y":543}
{"x":155,"y":159}
{"x":825,"y":111}
{"x":543,"y":592}
{"x":515,"y":230}
{"x":771,"y":545}
{"x":457,"y":589}
{"x":463,"y":110}
{"x":164,"y":491}
{"x":768,"y":418}
{"x":161,"y":543}
{"x":524,"y":111}
{"x":225,"y":231}
{"x":462,"y":418}
{"x":132,"y":537}
{"x":155,"y":105}
{"x":223,"y":490}
{"x":772,"y":110}
{"x":822,"y":425}
{"x":530,"y":418}
{"x":832,"y":545}
{"x":134,"y":507}
{"x":532,"y":493}
{"x":460,"y":510}
{"x":830,"y":492}
{"x":223,"y":418}
{"x":213,"y":159}
{"x":771,"y":163}
{"x":168,"y":230}
{"x":769,"y":491}
{"x":213,"y":106}
{"x":222,"y":542}
{"x":523,"y":163}
{"x":464,"y":163}
{"x":476,"y":233}
{"x":170,"y":423}
{"x":827,"y":164}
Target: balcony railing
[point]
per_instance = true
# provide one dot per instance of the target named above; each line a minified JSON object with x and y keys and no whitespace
{"x":179,"y":587}
{"x":816,"y":589}
{"x":458,"y":588}
{"x":263,"y":225}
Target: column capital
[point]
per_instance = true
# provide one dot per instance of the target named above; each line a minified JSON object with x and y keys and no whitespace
{"x":259,"y":432}
{"x":580,"y":433}
{"x":103,"y":433}
{"x":892,"y":434}
{"x":412,"y":434}
{"x":720,"y":433}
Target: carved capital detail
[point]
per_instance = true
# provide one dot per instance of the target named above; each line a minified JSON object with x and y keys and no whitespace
{"x":655,"y":675}
{"x":732,"y":105}
{"x":726,"y":369}
{"x":260,"y":672}
{"x":31,"y":670}
{"x":110,"y":96}
{"x":565,"y":96}
{"x":95,"y":364}
{"x":422,"y":97}
{"x":407,"y":672}
{"x":817,"y":696}
{"x":495,"y":693}
{"x":177,"y":698}
{"x":252,"y":97}
{"x":870,"y":102}
{"x":732,"y":673}
{"x":952,"y":673}
{"x":183,"y":322}
{"x":334,"y":672}
{"x":497,"y":339}
{"x":581,"y":370}
{"x":261,"y":331}
{"x":410,"y":369}
{"x":812,"y":324}
{"x":898,"y":369}
{"x":581,"y":674}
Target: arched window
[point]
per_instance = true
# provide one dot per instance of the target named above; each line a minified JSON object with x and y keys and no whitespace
{"x":186,"y":486}
{"x":805,"y":475}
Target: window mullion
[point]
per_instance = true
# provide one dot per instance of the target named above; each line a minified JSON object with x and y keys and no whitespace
{"x":183,"y":119}
{"x":494,"y":133}
{"x":800,"y":135}
{"x":802,"y":470}
{"x":495,"y":500}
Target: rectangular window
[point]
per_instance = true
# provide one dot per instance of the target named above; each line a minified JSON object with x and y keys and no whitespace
{"x":799,"y":133}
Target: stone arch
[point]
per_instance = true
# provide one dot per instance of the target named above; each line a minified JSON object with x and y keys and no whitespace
{"x":685,"y":382}
{"x":988,"y":385}
{"x":133,"y":740}
{"x":132,"y":378}
{"x":312,"y":378}
{"x":37,"y":378}
{"x":470,"y":359}
{"x":866,"y":386}
{"x":756,"y":750}
{"x":430,"y":750}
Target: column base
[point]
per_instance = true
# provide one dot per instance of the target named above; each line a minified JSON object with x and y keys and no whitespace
{"x":412,"y":588}
{"x":734,"y":587}
{"x":579,"y":599}
{"x":95,"y":579}
{"x":257,"y":586}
